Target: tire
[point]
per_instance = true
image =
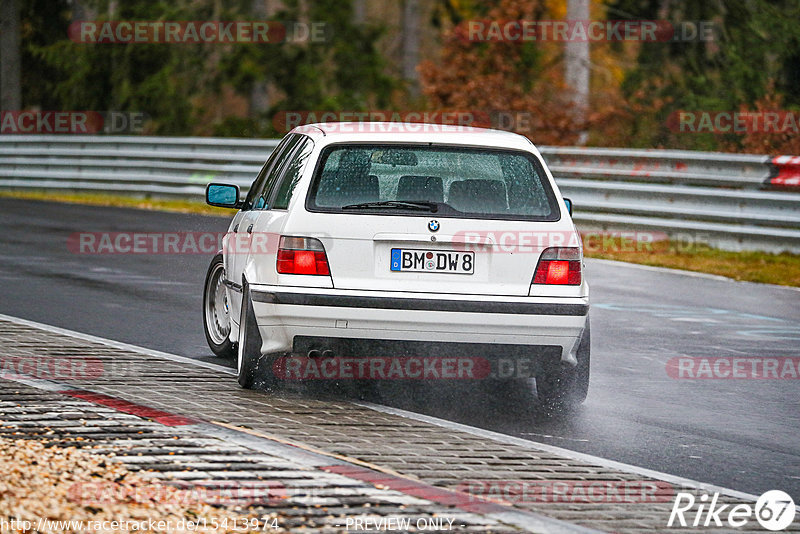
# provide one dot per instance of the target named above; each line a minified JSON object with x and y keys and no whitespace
{"x":249,"y":346}
{"x":216,"y":311}
{"x":567,"y":386}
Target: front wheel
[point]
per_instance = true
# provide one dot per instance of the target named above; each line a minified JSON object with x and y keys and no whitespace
{"x":567,"y":386}
{"x":216,"y":311}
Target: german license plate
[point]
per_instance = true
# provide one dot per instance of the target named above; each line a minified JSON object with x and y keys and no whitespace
{"x":432,"y":261}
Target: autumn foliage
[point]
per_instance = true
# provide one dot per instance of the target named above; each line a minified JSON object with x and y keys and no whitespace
{"x":782,"y":142}
{"x":636,"y":86}
{"x":522,"y":79}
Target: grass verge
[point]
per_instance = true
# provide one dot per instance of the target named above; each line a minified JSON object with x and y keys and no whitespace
{"x":781,"y":269}
{"x":93,"y":199}
{"x":763,"y":267}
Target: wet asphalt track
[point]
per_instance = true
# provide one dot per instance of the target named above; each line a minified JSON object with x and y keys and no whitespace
{"x":743,"y":434}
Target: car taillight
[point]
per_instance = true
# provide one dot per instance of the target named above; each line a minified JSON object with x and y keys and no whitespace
{"x":302,"y":255}
{"x":559,"y":266}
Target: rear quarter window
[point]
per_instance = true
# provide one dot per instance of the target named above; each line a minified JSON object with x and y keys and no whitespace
{"x":294,"y":171}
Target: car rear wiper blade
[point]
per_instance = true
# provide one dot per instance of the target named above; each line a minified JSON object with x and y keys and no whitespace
{"x":433,"y":207}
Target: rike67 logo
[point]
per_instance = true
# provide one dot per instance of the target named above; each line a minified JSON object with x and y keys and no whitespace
{"x":774,"y":510}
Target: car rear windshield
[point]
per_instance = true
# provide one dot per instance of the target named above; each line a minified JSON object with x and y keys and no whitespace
{"x":446,"y":180}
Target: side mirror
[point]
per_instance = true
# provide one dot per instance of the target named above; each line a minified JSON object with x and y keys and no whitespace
{"x":223,"y":196}
{"x":568,"y":202}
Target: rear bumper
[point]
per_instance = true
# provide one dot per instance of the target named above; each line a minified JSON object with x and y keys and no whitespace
{"x":355,"y":322}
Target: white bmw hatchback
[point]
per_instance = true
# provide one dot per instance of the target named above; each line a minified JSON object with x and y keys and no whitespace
{"x":398,"y":241}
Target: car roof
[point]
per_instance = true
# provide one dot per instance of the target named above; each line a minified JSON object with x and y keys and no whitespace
{"x":405,"y":132}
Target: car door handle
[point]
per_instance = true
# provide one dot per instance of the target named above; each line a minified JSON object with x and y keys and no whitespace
{"x":250,"y":229}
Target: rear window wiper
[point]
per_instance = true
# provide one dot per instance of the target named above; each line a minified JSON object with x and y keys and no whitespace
{"x":433,"y":207}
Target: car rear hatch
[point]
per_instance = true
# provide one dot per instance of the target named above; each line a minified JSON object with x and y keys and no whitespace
{"x":435,"y":219}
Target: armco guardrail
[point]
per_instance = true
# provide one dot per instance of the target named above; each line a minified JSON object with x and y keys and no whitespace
{"x":728,"y":200}
{"x":135,"y":165}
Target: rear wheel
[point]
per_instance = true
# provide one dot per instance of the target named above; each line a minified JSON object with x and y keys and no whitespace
{"x":216,"y":311}
{"x":567,"y":386}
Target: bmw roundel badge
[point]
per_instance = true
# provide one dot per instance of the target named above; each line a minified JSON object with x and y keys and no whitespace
{"x":433,"y":226}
